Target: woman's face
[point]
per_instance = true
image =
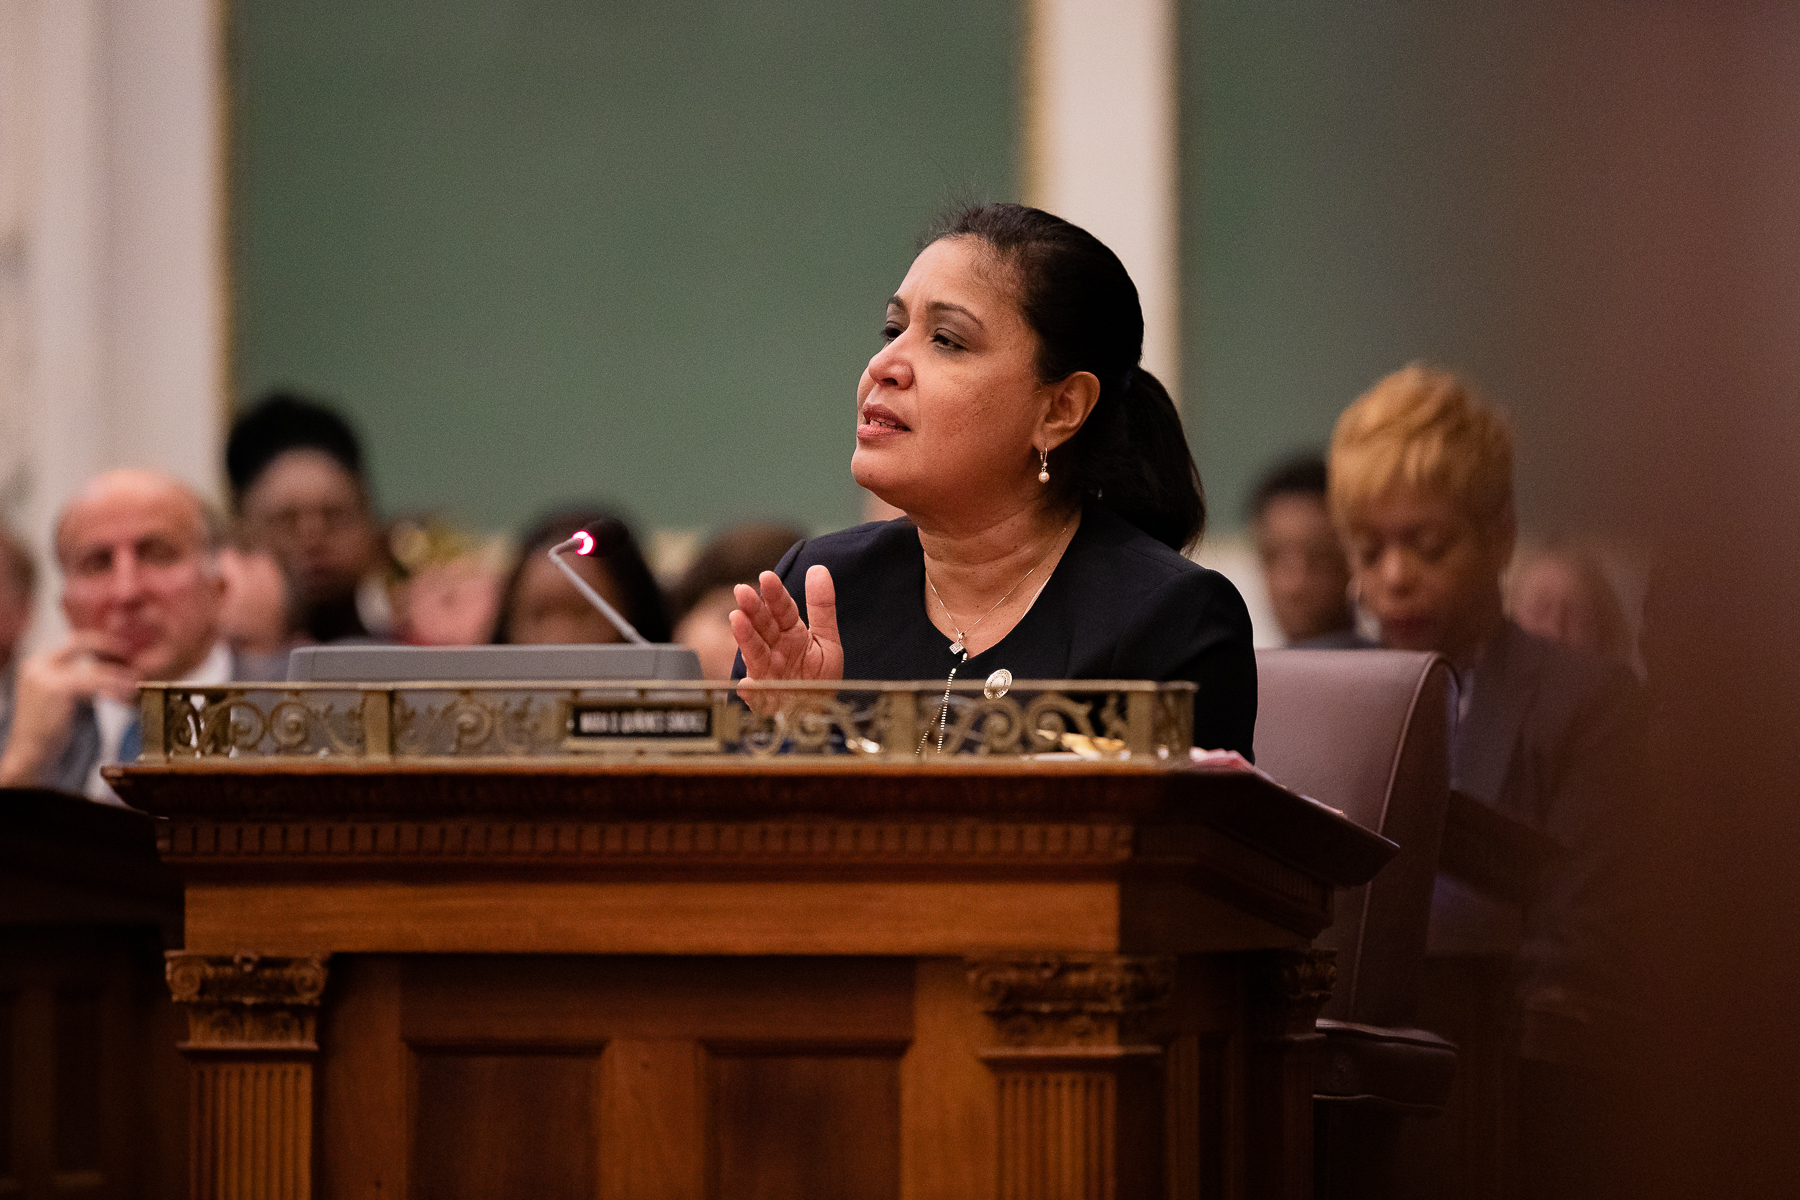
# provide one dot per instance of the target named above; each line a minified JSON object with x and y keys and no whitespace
{"x":949,"y":407}
{"x":1427,"y":572}
{"x":547,"y":610}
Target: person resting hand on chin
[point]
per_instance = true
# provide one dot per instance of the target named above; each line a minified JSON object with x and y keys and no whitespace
{"x":1047,"y":486}
{"x":144,"y":595}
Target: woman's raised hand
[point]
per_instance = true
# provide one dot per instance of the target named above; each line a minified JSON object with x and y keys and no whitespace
{"x":776,"y":643}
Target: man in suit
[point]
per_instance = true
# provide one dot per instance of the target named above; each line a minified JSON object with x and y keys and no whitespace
{"x":142,"y":592}
{"x":1421,"y":490}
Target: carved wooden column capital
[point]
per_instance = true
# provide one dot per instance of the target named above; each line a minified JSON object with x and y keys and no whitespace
{"x":1080,"y":1078}
{"x":252,"y":1035}
{"x":248,"y":1002}
{"x":1289,"y":987}
{"x":1071,"y":1000}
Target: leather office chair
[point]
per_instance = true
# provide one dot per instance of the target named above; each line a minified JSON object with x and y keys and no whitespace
{"x":1368,"y":732}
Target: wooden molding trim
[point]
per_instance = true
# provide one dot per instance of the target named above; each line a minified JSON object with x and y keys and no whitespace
{"x":638,"y":843}
{"x":277,"y":789}
{"x":1178,"y":813}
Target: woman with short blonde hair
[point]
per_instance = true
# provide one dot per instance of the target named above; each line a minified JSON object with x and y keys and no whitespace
{"x":1421,"y":492}
{"x":1423,"y":427}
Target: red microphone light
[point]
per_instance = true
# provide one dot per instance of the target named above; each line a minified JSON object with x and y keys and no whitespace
{"x":587,"y":542}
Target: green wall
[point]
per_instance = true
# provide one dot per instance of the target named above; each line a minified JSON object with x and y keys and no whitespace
{"x":543,"y":249}
{"x":549,"y":249}
{"x":1358,"y":184}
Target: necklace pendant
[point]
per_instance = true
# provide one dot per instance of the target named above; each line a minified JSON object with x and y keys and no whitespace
{"x":956,"y":647}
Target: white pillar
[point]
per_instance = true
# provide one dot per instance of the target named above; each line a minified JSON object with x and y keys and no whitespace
{"x":112,"y":252}
{"x":165,"y":367}
{"x":1102,"y":144}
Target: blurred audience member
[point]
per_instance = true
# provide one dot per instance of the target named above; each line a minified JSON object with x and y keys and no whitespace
{"x":1561,"y":593}
{"x":703,"y":600}
{"x":1303,"y":563}
{"x":1421,"y":488}
{"x":143,"y":595}
{"x":18,"y":581}
{"x":297,"y":482}
{"x":538,"y":606}
{"x":447,"y":587}
{"x":18,"y":584}
{"x":257,"y":618}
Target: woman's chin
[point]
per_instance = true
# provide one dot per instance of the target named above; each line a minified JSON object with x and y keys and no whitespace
{"x":873,"y":470}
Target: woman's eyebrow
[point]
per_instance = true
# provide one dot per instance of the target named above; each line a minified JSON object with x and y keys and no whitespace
{"x":946,"y":306}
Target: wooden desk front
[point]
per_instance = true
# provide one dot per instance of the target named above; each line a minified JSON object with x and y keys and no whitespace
{"x":733,"y":979}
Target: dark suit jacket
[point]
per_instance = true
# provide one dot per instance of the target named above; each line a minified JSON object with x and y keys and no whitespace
{"x":83,"y":751}
{"x":1120,"y":605}
{"x":1554,"y":739}
{"x":78,"y":757}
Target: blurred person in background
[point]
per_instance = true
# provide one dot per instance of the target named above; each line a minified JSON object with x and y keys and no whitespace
{"x":446,"y":589}
{"x":540,"y":607}
{"x":1421,"y":490}
{"x":298,"y":486}
{"x":18,"y":583}
{"x":257,"y":620}
{"x":1303,"y":563}
{"x":703,"y":601}
{"x":143,"y":595}
{"x":1561,"y":592}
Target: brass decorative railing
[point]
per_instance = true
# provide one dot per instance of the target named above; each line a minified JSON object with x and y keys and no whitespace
{"x":1108,"y":719}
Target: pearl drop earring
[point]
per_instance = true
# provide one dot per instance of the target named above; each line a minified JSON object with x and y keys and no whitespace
{"x":1043,"y":466}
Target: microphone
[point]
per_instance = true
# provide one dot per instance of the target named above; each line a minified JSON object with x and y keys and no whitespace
{"x":601,"y":538}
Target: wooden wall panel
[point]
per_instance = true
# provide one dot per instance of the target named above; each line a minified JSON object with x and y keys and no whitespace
{"x":504,"y":1125}
{"x":947,"y":1092}
{"x":79,"y":1040}
{"x":620,"y":1078}
{"x":805,"y":1127}
{"x":652,"y":1121}
{"x":92,"y":1091}
{"x":364,"y":1123}
{"x":569,"y":1000}
{"x":17,"y":1115}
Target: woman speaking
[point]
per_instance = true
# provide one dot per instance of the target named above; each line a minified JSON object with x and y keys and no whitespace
{"x":1047,"y":486}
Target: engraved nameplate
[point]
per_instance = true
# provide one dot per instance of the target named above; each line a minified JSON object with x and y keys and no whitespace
{"x":632,"y":726}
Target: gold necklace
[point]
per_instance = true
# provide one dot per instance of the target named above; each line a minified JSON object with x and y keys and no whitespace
{"x":961,"y":644}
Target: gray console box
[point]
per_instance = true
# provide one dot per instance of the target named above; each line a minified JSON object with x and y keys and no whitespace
{"x":490,"y":664}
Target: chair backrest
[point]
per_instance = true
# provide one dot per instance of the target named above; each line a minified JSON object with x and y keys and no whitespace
{"x":1367,"y":732}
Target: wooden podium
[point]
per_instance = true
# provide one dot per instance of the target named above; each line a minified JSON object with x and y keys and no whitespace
{"x":782,"y":977}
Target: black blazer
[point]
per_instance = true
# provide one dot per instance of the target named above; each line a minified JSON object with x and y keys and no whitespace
{"x":1555,"y":739}
{"x":1120,"y":605}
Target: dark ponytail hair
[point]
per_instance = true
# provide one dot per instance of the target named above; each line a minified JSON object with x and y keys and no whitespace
{"x":1076,"y":295}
